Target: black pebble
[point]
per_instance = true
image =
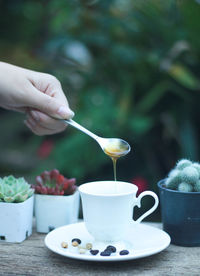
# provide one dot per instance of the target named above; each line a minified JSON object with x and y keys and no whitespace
{"x":76,"y":240}
{"x":105,"y":253}
{"x":94,"y":252}
{"x":124,"y":252}
{"x":111,"y":248}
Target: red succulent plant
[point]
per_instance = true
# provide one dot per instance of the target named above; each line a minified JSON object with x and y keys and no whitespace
{"x":54,"y":183}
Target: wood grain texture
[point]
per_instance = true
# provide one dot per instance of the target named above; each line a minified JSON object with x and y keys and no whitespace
{"x":32,"y":258}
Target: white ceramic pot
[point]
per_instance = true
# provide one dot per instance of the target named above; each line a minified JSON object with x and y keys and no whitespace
{"x":52,"y":211}
{"x":16,"y":220}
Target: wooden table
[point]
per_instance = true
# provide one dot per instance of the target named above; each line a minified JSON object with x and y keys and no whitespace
{"x":32,"y":258}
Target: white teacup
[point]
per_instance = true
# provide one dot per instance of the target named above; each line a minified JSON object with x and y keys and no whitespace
{"x":108,"y":208}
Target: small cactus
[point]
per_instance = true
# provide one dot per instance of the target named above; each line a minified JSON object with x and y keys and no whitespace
{"x":14,"y":190}
{"x":183,"y":163}
{"x":54,"y":183}
{"x":197,"y":186}
{"x":173,"y":179}
{"x":197,"y":167}
{"x":189,"y":175}
{"x":184,"y":187}
{"x":185,"y":177}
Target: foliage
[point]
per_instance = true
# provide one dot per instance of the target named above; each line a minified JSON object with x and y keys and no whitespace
{"x":54,"y":183}
{"x":130,"y":70}
{"x":14,"y":190}
{"x":185,"y":177}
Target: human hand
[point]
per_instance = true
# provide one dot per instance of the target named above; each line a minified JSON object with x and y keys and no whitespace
{"x":37,"y":94}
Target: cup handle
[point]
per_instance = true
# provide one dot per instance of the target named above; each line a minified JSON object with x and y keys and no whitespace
{"x":138,"y":204}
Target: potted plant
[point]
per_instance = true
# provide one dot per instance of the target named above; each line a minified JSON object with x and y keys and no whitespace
{"x":180,"y":202}
{"x":16,"y":209}
{"x":56,"y":201}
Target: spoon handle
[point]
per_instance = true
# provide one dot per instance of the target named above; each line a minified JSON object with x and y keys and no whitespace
{"x":81,"y":128}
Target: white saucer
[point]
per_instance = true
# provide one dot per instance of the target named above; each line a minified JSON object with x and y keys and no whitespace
{"x":142,"y":240}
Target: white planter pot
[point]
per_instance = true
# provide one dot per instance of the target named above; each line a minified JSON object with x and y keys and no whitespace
{"x":52,"y":211}
{"x":16,"y":220}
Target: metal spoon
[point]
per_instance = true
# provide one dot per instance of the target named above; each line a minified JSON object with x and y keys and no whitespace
{"x":114,"y":147}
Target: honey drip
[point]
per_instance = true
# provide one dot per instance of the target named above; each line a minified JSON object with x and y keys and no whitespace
{"x":114,"y":160}
{"x":115,"y":150}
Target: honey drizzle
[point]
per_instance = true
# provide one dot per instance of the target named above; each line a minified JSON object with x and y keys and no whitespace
{"x":114,"y":154}
{"x":114,"y":160}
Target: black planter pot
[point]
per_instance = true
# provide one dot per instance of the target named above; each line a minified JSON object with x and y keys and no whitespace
{"x":180,"y":215}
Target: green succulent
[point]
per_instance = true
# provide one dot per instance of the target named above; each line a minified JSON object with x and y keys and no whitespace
{"x":14,"y":189}
{"x":185,"y":177}
{"x":173,"y":179}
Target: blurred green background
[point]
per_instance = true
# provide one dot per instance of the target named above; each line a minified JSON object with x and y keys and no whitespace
{"x":130,"y":69}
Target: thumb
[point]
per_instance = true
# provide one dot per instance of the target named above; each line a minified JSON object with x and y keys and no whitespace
{"x":49,"y":105}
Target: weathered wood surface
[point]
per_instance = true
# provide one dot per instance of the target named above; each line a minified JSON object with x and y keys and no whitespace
{"x":32,"y":258}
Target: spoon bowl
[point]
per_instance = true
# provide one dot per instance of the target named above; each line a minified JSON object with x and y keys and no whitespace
{"x":114,"y":147}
